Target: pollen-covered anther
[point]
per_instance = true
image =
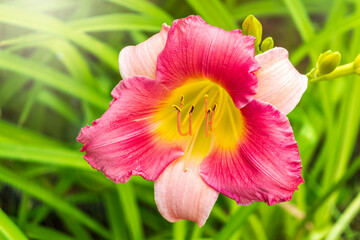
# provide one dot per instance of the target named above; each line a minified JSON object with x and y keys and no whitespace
{"x":212,"y":117}
{"x":208,"y":121}
{"x":190,"y":116}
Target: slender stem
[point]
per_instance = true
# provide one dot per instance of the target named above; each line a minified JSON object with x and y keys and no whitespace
{"x":340,"y":71}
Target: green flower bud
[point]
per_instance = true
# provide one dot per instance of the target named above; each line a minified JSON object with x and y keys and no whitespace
{"x":327,"y":62}
{"x":252,"y":26}
{"x":357,"y":64}
{"x":267,"y":44}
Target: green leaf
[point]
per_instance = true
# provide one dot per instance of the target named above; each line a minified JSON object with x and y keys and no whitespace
{"x":52,"y":78}
{"x":42,"y":194}
{"x":214,"y":12}
{"x":117,"y":22}
{"x":50,"y":156}
{"x":8,"y":229}
{"x":57,"y":104}
{"x":117,"y":224}
{"x":236,"y":221}
{"x":130,"y":208}
{"x":344,"y":220}
{"x":44,"y":233}
{"x":325,"y":36}
{"x":14,"y":134}
{"x":51,"y":25}
{"x":273,"y":9}
{"x":301,"y":18}
{"x":145,"y":7}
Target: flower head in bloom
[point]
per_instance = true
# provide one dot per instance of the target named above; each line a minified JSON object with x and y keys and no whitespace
{"x":198,"y":113}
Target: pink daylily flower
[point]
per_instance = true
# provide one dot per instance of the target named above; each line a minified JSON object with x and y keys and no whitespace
{"x":198,"y":113}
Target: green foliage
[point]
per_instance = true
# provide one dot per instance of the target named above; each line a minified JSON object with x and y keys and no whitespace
{"x":58,"y":64}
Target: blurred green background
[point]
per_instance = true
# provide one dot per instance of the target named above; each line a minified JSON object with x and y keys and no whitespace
{"x":58,"y":64}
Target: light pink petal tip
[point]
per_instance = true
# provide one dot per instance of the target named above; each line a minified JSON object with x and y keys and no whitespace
{"x":197,"y":50}
{"x":141,"y":59}
{"x":122,"y":142}
{"x":266,"y":164}
{"x":279,"y":82}
{"x":184,"y":195}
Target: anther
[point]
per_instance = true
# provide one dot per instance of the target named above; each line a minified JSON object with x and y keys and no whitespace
{"x":207,"y":112}
{"x":190,"y":117}
{"x":214,"y":107}
{"x":192,"y":109}
{"x":206,"y":103}
{"x":212,"y":117}
{"x":181,"y":100}
{"x":176,"y":107}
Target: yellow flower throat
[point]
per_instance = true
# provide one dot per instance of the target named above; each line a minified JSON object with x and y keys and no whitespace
{"x":204,"y":115}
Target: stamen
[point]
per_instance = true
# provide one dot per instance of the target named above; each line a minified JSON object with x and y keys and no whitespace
{"x":212,"y":117}
{"x":207,"y":122}
{"x":206,"y":103}
{"x":178,"y":117}
{"x":207,"y":112}
{"x":181,"y":101}
{"x":190,"y":116}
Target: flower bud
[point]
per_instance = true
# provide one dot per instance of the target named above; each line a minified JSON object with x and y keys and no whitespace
{"x":252,"y":26}
{"x":327,"y":62}
{"x":357,"y":64}
{"x":267,"y":44}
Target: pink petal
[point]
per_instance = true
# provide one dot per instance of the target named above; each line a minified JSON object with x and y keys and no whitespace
{"x":123,"y":141}
{"x":141,"y":59}
{"x":196,"y":51}
{"x":265,"y":165}
{"x":183,"y":194}
{"x":279,"y":82}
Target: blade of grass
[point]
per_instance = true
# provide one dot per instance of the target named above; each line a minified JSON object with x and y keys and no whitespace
{"x":117,"y":22}
{"x":237,"y":219}
{"x":325,"y":36}
{"x":258,"y":228}
{"x":51,"y":25}
{"x":179,"y":230}
{"x":273,"y":9}
{"x":57,"y":104}
{"x":115,"y":220}
{"x":349,"y":115}
{"x":44,"y":6}
{"x":52,"y":78}
{"x":61,"y":187}
{"x":146,"y":8}
{"x":30,"y":187}
{"x":8,"y":229}
{"x":31,"y":99}
{"x":74,"y":61}
{"x":44,"y":233}
{"x":301,"y":18}
{"x":129,"y":205}
{"x":214,"y":12}
{"x":75,"y":228}
{"x":50,"y":156}
{"x":196,"y":234}
{"x":10,"y":87}
{"x":333,"y":16}
{"x":343,"y":222}
{"x":23,"y":211}
{"x":15,"y":134}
